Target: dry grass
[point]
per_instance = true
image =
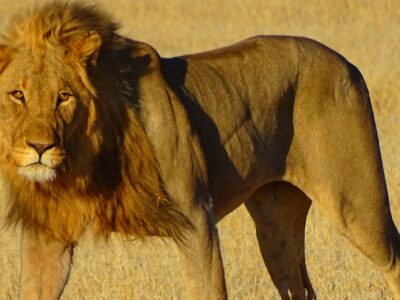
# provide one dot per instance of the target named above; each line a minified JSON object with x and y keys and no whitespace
{"x":367,"y":32}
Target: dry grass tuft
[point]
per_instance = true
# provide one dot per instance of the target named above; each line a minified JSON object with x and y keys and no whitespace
{"x":365,"y":31}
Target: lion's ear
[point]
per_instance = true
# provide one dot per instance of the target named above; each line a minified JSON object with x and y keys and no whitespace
{"x":86,"y":47}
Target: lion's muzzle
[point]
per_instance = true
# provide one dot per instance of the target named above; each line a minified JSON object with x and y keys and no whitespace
{"x":39,"y":155}
{"x":40,"y":135}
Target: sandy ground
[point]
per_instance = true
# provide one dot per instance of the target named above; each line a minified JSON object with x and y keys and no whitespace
{"x":366,"y":32}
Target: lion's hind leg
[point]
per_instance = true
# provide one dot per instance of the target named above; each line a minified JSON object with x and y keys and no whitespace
{"x":279,"y":211}
{"x":363,"y":217}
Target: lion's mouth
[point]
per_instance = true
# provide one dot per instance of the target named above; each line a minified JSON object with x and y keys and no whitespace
{"x":37,"y":172}
{"x":35,"y":167}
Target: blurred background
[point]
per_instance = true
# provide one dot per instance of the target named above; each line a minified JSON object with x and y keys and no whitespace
{"x":366,"y":32}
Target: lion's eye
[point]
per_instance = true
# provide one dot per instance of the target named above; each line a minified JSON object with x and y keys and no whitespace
{"x":63,"y":97}
{"x":18,"y":96}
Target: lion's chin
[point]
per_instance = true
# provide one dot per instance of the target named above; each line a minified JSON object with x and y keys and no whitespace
{"x":37,"y":173}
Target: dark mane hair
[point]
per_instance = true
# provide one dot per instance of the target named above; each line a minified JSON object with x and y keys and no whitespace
{"x":116,"y":186}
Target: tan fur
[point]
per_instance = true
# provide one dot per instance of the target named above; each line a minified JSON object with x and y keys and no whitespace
{"x":148,"y":146}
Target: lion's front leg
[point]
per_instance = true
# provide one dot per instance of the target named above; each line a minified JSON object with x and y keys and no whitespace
{"x":45,"y":266}
{"x":201,"y":258}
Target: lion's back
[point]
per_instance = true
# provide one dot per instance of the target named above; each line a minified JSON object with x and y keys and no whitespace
{"x":257,"y":71}
{"x":243,"y":98}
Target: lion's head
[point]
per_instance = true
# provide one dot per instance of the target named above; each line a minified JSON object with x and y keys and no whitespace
{"x":72,"y":146}
{"x":46,"y":98}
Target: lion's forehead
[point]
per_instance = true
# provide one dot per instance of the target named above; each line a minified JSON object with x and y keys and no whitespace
{"x":41,"y":82}
{"x":40,"y":75}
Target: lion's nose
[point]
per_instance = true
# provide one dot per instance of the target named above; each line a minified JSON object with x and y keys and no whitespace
{"x":40,"y":148}
{"x":40,"y":136}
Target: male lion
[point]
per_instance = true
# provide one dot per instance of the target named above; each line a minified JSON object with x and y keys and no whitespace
{"x":98,"y":131}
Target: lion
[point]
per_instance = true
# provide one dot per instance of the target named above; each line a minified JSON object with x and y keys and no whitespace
{"x":99,"y":133}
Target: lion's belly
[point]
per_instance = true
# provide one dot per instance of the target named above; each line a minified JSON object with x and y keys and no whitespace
{"x":225,"y":203}
{"x":244,"y":165}
{"x":243,"y":161}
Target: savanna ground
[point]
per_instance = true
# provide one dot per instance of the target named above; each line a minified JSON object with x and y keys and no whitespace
{"x":366,"y":32}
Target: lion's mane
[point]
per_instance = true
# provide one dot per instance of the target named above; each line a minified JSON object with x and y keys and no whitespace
{"x":111,"y":179}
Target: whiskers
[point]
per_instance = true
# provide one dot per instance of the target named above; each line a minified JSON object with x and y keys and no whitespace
{"x":38,"y":168}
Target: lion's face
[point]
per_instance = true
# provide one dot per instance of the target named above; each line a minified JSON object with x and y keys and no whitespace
{"x":40,"y":109}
